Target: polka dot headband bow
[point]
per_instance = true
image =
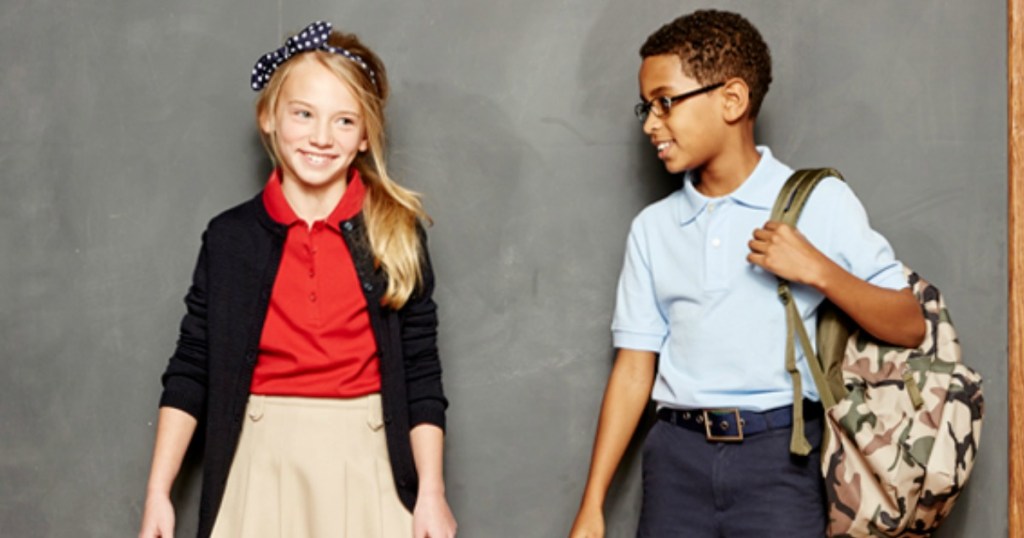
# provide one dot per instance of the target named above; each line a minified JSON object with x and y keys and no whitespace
{"x":313,"y":37}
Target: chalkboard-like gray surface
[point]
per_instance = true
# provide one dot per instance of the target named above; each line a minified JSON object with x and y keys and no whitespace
{"x":125,"y":126}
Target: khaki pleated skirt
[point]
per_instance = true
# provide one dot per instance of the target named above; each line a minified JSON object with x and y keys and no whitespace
{"x":312,"y":467}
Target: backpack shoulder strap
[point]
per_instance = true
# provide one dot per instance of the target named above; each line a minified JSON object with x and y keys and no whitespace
{"x":788,"y":206}
{"x":794,"y":194}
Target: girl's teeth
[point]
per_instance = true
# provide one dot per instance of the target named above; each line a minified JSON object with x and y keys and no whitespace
{"x":663,"y":146}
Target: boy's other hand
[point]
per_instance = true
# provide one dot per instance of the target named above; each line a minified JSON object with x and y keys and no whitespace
{"x":786,"y":253}
{"x":588,"y":524}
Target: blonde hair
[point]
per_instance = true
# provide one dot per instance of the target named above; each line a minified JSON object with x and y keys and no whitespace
{"x":392,"y":213}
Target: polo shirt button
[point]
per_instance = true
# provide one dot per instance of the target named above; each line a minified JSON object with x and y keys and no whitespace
{"x":716,"y":242}
{"x":312,"y":297}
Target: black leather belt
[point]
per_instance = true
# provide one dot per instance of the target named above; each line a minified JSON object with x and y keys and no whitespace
{"x":732,"y":425}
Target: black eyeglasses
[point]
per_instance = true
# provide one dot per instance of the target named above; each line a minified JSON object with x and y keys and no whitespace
{"x":661,"y":106}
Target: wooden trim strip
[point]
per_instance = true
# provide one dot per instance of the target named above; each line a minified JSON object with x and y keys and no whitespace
{"x":1015,"y":241}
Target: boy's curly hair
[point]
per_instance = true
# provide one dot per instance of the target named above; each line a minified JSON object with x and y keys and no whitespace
{"x":715,"y":46}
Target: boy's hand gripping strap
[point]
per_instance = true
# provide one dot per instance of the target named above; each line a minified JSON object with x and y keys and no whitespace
{"x":788,"y":205}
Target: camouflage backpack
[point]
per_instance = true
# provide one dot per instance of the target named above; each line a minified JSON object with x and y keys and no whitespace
{"x":901,"y":425}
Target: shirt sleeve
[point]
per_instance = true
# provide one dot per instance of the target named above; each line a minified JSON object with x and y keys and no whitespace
{"x":186,"y":378}
{"x":638,"y":322}
{"x":852,"y":243}
{"x":424,"y":392}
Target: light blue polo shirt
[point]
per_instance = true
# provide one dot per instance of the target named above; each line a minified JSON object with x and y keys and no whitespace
{"x":688,"y":293}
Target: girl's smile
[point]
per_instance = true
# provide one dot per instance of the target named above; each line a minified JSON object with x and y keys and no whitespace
{"x":318,"y":159}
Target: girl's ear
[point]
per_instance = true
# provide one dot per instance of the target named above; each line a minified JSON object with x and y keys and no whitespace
{"x":736,"y":100}
{"x":363,"y":145}
{"x":266,"y":122}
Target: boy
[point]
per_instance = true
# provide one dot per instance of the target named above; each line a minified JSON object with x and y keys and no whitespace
{"x":697,"y":317}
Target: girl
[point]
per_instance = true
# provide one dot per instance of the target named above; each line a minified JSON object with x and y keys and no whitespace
{"x":308,"y":348}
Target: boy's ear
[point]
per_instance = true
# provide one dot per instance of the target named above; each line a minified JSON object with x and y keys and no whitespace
{"x":737,"y":100}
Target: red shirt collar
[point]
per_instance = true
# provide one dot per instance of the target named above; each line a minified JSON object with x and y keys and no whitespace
{"x":280,"y":210}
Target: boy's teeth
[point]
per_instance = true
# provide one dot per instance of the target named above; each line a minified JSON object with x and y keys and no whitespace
{"x":663,"y":145}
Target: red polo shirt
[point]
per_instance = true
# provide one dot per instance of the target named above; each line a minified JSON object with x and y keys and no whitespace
{"x":317,"y":340}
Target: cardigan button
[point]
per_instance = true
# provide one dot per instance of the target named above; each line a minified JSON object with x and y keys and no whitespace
{"x":367,"y":286}
{"x":347,"y":226}
{"x":387,"y":419}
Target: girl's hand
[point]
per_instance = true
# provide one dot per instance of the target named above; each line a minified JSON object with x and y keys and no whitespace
{"x":432,"y":518}
{"x":786,"y":253}
{"x":158,"y":517}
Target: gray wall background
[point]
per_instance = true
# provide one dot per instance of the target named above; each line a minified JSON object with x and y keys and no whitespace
{"x":125,"y":126}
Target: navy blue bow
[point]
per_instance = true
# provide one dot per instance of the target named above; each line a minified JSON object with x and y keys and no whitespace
{"x":313,"y":37}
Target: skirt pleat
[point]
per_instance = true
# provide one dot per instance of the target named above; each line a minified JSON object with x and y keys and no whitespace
{"x":312,"y":467}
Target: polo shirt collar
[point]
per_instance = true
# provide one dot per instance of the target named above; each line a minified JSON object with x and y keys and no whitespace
{"x":281,"y":211}
{"x":351,"y":202}
{"x":757,"y":191}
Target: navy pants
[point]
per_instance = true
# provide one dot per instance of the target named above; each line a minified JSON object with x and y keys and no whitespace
{"x":693,"y":488}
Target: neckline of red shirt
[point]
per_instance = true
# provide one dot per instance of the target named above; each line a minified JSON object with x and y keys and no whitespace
{"x":281,"y":211}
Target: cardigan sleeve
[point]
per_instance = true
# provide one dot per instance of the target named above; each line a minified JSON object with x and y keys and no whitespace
{"x":185,"y":379}
{"x":424,"y":392}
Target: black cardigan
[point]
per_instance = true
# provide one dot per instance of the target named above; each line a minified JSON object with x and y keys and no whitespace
{"x":211,"y":369}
